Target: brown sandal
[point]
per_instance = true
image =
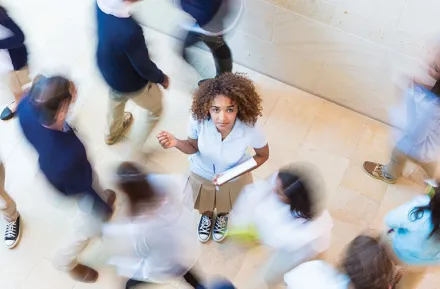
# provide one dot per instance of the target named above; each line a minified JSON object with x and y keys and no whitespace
{"x":128,"y":120}
{"x":84,"y":274}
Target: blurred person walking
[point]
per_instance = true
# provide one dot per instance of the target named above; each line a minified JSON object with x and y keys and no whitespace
{"x":158,"y":226}
{"x":124,"y":62}
{"x":285,"y":214}
{"x":421,"y":140}
{"x":222,"y":127}
{"x":365,"y":265}
{"x":14,"y":58}
{"x":10,"y":213}
{"x":209,"y":28}
{"x":63,"y":160}
{"x":413,"y":234}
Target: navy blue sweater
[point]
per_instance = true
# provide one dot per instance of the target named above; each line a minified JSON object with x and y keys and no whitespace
{"x":201,"y":10}
{"x":15,"y":43}
{"x":62,"y":156}
{"x":123,"y":55}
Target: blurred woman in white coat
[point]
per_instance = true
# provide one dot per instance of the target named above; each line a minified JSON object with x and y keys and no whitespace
{"x":158,"y":227}
{"x":286,"y":215}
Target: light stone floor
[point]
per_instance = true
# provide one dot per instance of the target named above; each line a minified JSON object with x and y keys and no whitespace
{"x":299,"y":127}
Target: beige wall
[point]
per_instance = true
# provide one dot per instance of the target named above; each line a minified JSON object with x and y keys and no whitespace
{"x":352,"y":52}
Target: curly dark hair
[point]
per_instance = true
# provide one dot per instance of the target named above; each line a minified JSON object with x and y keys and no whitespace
{"x":238,"y":88}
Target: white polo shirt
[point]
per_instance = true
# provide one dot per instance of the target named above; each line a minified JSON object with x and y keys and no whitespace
{"x":216,"y":156}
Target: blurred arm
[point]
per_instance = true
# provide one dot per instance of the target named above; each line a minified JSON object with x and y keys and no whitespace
{"x":137,"y":52}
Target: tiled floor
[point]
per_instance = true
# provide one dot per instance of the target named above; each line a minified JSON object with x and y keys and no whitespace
{"x":300,"y":127}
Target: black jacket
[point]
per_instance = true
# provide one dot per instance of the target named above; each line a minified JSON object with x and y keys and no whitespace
{"x":201,"y":10}
{"x":14,"y":44}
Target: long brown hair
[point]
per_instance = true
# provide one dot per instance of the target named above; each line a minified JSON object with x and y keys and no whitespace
{"x":367,"y":264}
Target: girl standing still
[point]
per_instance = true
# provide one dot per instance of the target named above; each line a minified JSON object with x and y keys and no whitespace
{"x":224,"y":112}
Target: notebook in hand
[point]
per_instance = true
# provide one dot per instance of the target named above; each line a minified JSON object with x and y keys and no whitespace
{"x":236,"y":171}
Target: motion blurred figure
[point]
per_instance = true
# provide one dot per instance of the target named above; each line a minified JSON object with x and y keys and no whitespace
{"x":286,"y":215}
{"x":63,"y":160}
{"x":365,"y":265}
{"x":124,"y":63}
{"x":13,"y":51}
{"x":421,"y":140}
{"x":413,"y":234}
{"x":158,"y":226}
{"x":209,"y":29}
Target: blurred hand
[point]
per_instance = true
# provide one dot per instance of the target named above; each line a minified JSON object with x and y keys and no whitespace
{"x":166,"y":82}
{"x":166,"y":140}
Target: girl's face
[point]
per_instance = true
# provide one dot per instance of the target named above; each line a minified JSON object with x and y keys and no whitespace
{"x":280,"y":192}
{"x":223,"y":113}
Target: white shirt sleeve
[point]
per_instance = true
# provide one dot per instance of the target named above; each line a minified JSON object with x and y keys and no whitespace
{"x":193,"y":128}
{"x":294,"y":237}
{"x":257,"y":138}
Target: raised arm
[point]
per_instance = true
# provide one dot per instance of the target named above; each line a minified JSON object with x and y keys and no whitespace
{"x":167,"y":141}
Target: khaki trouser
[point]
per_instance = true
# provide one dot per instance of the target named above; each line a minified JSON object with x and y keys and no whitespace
{"x":398,"y":159}
{"x":87,"y":225}
{"x":7,"y":205}
{"x":149,"y":99}
{"x":17,"y":79}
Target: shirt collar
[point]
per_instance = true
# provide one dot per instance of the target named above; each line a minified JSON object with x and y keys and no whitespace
{"x":118,"y":8}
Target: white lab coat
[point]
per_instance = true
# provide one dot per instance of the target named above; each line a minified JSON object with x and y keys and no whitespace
{"x":157,"y":246}
{"x":259,"y":205}
{"x":316,"y":275}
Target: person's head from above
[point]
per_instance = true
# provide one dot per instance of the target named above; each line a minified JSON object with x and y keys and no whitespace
{"x":294,"y":187}
{"x":52,"y":97}
{"x":132,"y":181}
{"x":367,"y":264}
{"x":434,"y":208}
{"x":434,"y":66}
{"x":225,"y":99}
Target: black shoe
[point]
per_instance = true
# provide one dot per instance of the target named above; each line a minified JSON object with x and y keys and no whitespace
{"x":12,"y":233}
{"x":220,"y":227}
{"x":205,"y":226}
{"x":7,"y":114}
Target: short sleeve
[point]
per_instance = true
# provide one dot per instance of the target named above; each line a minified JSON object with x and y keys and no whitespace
{"x":257,"y":138}
{"x":193,"y":128}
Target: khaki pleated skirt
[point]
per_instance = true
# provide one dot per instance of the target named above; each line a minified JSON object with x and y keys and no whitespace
{"x":207,"y":198}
